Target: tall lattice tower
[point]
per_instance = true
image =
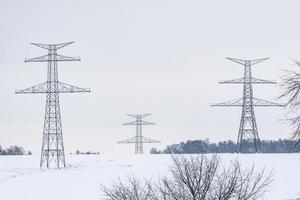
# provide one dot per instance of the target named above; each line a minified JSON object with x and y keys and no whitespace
{"x":248,"y":127}
{"x":139,"y":139}
{"x":52,"y":144}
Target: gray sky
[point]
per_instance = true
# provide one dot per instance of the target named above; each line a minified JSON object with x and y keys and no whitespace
{"x":162,"y":57}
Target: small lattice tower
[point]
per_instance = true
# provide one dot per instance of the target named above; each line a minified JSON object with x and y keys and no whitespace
{"x":139,"y":139}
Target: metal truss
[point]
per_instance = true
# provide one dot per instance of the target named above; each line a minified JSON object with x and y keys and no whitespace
{"x":52,"y":144}
{"x":242,"y":81}
{"x":139,"y":139}
{"x":43,"y":88}
{"x":248,"y":126}
{"x":240,"y":102}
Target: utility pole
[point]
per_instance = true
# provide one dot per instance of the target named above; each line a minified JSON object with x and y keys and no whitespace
{"x":248,"y":126}
{"x":52,"y":143}
{"x":139,"y":139}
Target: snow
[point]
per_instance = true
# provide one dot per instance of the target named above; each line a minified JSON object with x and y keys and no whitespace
{"x":21,"y":177}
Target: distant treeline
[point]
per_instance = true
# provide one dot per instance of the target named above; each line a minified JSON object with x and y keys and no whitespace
{"x":77,"y":152}
{"x":14,"y":150}
{"x":204,"y":146}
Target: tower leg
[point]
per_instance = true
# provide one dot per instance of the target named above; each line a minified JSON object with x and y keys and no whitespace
{"x":255,"y":136}
{"x":52,"y":145}
{"x":240,"y":137}
{"x":248,"y":129}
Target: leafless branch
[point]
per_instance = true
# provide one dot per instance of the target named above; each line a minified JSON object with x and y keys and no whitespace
{"x":291,"y":91}
{"x":196,"y":177}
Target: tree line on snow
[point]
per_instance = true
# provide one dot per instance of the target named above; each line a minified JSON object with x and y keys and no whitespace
{"x":14,"y":150}
{"x":205,"y":146}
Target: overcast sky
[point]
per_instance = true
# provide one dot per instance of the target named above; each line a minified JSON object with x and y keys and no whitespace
{"x":162,"y":57}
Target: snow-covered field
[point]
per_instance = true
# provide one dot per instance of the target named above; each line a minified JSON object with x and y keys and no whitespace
{"x":21,"y":178}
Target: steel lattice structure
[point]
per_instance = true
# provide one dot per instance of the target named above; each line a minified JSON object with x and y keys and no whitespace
{"x":139,"y":139}
{"x":248,"y":126}
{"x":52,"y":143}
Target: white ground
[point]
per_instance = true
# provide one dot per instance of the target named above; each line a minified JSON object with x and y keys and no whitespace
{"x":22,"y":179}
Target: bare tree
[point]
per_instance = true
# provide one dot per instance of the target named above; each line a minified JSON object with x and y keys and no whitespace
{"x":133,"y":189}
{"x":195,"y":177}
{"x":291,"y":91}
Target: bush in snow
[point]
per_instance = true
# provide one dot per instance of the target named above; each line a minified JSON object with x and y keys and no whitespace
{"x":195,"y":178}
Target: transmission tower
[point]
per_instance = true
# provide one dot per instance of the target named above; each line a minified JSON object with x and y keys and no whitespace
{"x":52,"y":144}
{"x":248,"y":127}
{"x":139,"y":139}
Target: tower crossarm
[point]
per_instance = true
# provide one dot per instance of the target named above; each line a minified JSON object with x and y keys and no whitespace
{"x":40,"y":88}
{"x":234,"y":102}
{"x":67,"y":88}
{"x":247,"y":62}
{"x":131,"y":123}
{"x":262,"y":81}
{"x":256,"y":102}
{"x":141,"y":122}
{"x":265,"y":103}
{"x":149,"y":140}
{"x":233,"y":81}
{"x":62,"y":88}
{"x":136,"y":139}
{"x":47,"y":58}
{"x":127,"y":141}
{"x":52,"y":46}
{"x":139,"y":116}
{"x":252,"y":80}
